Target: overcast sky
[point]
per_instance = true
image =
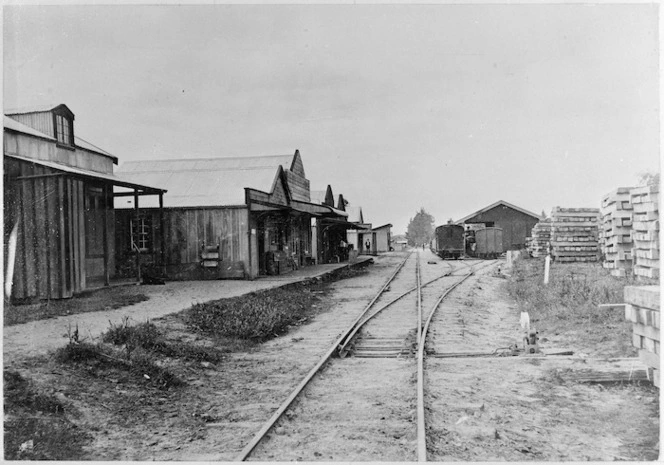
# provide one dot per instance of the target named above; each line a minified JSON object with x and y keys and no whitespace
{"x":397,"y":107}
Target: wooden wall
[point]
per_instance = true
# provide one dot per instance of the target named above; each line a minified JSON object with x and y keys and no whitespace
{"x":516,"y":225}
{"x":186,"y":230}
{"x":51,"y":247}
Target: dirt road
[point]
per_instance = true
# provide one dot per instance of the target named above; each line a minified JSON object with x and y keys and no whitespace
{"x":40,"y":337}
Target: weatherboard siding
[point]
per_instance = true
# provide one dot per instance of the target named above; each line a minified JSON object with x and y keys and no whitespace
{"x":186,"y":232}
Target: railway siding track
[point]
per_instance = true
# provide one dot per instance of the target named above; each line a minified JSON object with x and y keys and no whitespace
{"x":367,"y":400}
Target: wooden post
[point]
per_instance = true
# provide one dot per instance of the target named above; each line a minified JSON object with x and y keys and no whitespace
{"x":135,"y":237}
{"x":11,"y":257}
{"x":107,"y":279}
{"x":547,"y":265}
{"x":162,"y":233}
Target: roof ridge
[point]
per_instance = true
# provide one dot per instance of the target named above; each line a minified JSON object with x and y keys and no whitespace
{"x":163,"y":160}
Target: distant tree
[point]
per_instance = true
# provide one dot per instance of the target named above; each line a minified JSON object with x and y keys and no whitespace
{"x":648,"y":179}
{"x":420,"y":228}
{"x":543,"y":214}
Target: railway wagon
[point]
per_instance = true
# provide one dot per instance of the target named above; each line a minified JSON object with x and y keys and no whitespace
{"x":489,"y":242}
{"x":449,"y":240}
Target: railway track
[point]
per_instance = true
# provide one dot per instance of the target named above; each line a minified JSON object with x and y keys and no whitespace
{"x":361,"y":391}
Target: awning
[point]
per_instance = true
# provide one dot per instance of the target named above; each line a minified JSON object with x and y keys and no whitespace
{"x":313,"y":209}
{"x":310,"y":208}
{"x":87,"y":174}
{"x":340,"y":222}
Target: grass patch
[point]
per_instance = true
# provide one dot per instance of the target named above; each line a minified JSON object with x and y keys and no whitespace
{"x":147,"y":336}
{"x":257,"y":316}
{"x":102,"y":362}
{"x":36,"y":427}
{"x":94,"y":301}
{"x":569,"y":305}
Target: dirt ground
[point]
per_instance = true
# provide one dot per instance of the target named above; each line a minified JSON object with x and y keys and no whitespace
{"x":508,"y":409}
{"x":527,"y":408}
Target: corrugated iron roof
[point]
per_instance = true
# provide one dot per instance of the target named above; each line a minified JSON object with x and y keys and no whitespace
{"x":115,"y":180}
{"x":14,"y":125}
{"x":495,"y":204}
{"x":84,"y":144}
{"x":206,"y":182}
{"x":36,"y":109}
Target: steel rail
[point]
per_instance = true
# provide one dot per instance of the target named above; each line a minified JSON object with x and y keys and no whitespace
{"x":343,"y":347}
{"x":419,"y":299}
{"x":421,"y":425}
{"x":309,"y":376}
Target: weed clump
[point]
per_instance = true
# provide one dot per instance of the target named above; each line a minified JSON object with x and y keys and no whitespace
{"x":256,"y":316}
{"x":80,"y":352}
{"x":569,"y":304}
{"x":147,"y":336}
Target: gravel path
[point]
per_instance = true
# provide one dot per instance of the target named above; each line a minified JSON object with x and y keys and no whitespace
{"x":40,"y":337}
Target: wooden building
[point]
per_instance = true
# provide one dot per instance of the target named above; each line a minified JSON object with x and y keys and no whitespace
{"x":58,"y":206}
{"x":330,"y":232}
{"x":515,"y":222}
{"x":383,"y":238}
{"x":358,"y":237}
{"x":237,"y":217}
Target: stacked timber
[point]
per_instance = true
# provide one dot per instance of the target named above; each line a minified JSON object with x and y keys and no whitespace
{"x":645,"y":230}
{"x":642,"y":309}
{"x":540,"y":238}
{"x":575,"y":234}
{"x":616,"y":231}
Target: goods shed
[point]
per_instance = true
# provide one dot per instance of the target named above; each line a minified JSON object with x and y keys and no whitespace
{"x":515,"y":222}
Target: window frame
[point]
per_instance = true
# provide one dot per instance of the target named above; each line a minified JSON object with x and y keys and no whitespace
{"x":145,"y":239}
{"x":63,"y":128}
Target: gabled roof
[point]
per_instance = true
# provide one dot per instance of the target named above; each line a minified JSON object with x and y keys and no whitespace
{"x":341,"y":203}
{"x":206,"y":182}
{"x":493,"y":205}
{"x":355,"y":214}
{"x":388,"y":225}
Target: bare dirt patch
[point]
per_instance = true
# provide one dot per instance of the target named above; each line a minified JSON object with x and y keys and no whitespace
{"x":531,"y":408}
